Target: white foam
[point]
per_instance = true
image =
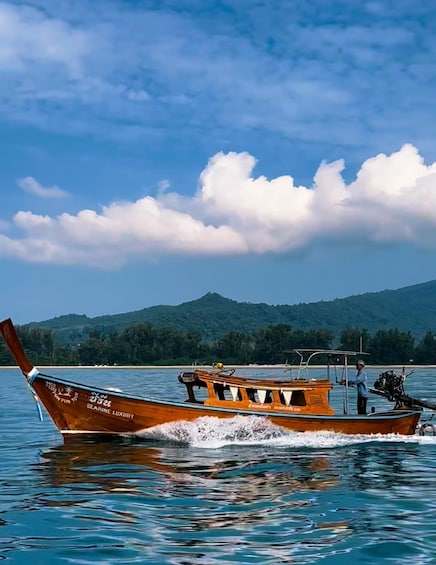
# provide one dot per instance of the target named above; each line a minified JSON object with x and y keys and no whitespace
{"x":212,"y":433}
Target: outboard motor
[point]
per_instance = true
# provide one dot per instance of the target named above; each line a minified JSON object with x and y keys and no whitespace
{"x":391,"y":386}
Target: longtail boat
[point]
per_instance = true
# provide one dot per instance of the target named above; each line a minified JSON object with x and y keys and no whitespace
{"x":299,"y":403}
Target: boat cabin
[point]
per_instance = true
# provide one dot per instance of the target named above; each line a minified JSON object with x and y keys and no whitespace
{"x":226,"y":390}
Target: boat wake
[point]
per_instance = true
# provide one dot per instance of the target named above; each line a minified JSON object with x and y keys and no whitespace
{"x":212,"y":433}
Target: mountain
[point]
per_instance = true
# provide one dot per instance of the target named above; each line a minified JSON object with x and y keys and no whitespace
{"x":410,"y":308}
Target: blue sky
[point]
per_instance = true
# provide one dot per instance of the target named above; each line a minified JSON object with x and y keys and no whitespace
{"x":154,"y":151}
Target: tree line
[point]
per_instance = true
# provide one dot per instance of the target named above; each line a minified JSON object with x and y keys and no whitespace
{"x":145,"y":344}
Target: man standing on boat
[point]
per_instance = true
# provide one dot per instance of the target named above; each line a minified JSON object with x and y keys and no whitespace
{"x":360,"y":381}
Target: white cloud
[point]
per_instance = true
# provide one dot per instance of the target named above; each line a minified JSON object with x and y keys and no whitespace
{"x":29,"y":184}
{"x":392,"y":200}
{"x":163,"y":186}
{"x":83,"y":67}
{"x":137,"y":95}
{"x":29,"y":37}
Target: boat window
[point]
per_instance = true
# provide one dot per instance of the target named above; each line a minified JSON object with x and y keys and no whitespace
{"x":261,"y":396}
{"x":298,"y":398}
{"x":251,"y":395}
{"x":219,"y":391}
{"x":294,"y":398}
{"x":226,"y":393}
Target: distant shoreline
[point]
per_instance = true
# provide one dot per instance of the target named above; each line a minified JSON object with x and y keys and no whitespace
{"x":187,"y":367}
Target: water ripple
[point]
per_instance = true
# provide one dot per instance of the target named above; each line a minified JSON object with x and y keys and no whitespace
{"x":211,"y":492}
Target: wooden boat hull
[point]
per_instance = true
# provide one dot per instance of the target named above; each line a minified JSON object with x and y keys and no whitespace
{"x":81,"y":409}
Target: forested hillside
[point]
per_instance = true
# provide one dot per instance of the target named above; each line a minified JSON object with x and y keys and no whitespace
{"x":410,"y":309}
{"x":393,"y":326}
{"x":145,"y":344}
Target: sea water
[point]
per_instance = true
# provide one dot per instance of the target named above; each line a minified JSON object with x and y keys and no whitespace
{"x":238,"y":491}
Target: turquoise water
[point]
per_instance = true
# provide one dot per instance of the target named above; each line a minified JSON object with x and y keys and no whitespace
{"x":212,"y":492}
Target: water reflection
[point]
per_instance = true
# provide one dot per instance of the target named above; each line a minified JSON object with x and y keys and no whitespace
{"x":304,"y":499}
{"x":79,"y":462}
{"x":237,"y":477}
{"x":201,"y":505}
{"x":196,"y":498}
{"x":267,"y":475}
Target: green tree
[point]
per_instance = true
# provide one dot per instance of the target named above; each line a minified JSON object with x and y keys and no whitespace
{"x":392,"y":347}
{"x":39,"y":344}
{"x":426,"y":350}
{"x":139,"y":341}
{"x":94,"y":351}
{"x":319,"y":339}
{"x":355,"y":339}
{"x":272,"y":344}
{"x":234,"y":347}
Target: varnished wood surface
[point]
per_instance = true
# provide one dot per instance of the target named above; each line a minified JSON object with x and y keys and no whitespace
{"x":83,"y":409}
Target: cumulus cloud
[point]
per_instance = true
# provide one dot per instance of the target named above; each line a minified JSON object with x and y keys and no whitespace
{"x":29,"y":184}
{"x":392,"y":200}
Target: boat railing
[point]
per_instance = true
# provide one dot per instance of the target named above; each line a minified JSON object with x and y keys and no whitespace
{"x":335,"y":357}
{"x":217,"y":368}
{"x":329,"y":357}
